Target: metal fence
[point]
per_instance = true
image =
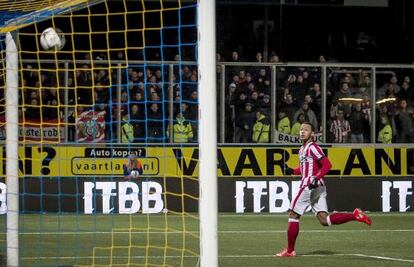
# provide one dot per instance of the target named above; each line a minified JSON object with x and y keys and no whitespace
{"x":379,"y":88}
{"x":364,"y":93}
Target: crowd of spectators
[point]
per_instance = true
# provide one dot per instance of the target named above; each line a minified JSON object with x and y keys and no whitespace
{"x":145,"y":95}
{"x":144,"y":98}
{"x":299,"y":98}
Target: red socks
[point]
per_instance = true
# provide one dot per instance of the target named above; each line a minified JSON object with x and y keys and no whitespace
{"x":293,"y":226}
{"x":292,"y":233}
{"x":339,"y":218}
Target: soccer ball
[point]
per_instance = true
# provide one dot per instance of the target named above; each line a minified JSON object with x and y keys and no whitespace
{"x":134,"y":174}
{"x":52,"y":38}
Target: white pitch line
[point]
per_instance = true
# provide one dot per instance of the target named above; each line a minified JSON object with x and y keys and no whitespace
{"x":220,"y":232}
{"x":324,"y":255}
{"x":359,"y":255}
{"x":374,"y":214}
{"x":318,"y":231}
{"x":224,"y":256}
{"x":383,"y":258}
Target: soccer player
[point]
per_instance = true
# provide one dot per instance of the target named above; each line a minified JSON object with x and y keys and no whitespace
{"x":314,"y":165}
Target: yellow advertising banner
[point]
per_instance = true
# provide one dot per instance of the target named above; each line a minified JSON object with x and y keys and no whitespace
{"x":176,"y":161}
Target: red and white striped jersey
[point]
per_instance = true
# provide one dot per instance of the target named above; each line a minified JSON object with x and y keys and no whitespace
{"x":309,"y":156}
{"x":341,"y":130}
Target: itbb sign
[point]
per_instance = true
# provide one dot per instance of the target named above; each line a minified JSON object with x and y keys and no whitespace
{"x":127,"y":195}
{"x":397,"y":190}
{"x":101,"y":195}
{"x":156,"y":195}
{"x":275,"y":196}
{"x":277,"y":193}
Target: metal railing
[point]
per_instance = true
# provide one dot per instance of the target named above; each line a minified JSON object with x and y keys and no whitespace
{"x":324,"y":70}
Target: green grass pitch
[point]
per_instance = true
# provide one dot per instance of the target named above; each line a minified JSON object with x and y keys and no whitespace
{"x":244,"y":240}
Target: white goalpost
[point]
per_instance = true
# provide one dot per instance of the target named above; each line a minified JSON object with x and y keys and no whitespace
{"x":12,"y":146}
{"x":208,"y":203}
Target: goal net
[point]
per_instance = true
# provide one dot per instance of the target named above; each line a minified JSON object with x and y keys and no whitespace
{"x":119,"y":91}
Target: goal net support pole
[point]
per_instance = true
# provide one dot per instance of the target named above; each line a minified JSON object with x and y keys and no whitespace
{"x":208,"y":134}
{"x":12,"y":145}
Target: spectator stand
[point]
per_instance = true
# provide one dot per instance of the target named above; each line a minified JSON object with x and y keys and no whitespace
{"x":371,"y":89}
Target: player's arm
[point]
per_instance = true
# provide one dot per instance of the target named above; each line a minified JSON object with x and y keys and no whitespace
{"x":325,"y":168}
{"x":291,"y":171}
{"x":323,"y":163}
